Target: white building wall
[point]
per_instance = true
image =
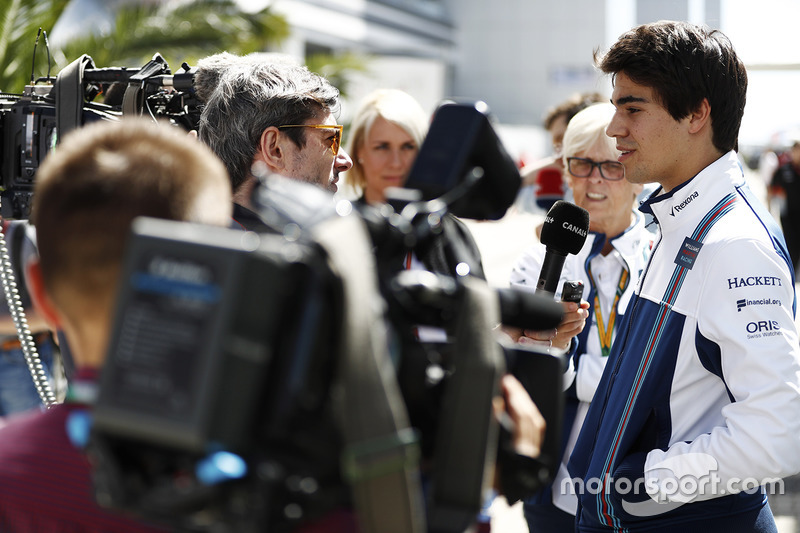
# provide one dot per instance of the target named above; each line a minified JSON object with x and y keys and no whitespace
{"x":524,"y":56}
{"x":422,"y":78}
{"x":403,"y":47}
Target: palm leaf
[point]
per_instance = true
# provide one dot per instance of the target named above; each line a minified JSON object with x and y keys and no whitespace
{"x":337,"y":67}
{"x":20,"y":21}
{"x":186,"y":33}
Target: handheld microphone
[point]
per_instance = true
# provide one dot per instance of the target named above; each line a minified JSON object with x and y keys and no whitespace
{"x":564,"y":231}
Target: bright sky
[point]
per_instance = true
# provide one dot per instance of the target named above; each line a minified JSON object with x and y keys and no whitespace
{"x":763,"y":31}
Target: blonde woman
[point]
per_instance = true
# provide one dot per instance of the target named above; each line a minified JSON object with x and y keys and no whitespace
{"x":387,"y":131}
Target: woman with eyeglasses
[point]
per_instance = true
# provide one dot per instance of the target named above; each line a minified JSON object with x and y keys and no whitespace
{"x":609,"y":264}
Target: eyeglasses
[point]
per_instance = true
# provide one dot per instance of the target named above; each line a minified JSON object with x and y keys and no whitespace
{"x":337,"y":137}
{"x":582,"y":168}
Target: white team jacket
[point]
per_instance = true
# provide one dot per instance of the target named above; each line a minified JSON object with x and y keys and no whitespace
{"x":701,"y":392}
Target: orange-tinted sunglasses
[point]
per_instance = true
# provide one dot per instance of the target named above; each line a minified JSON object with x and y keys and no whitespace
{"x":337,"y":137}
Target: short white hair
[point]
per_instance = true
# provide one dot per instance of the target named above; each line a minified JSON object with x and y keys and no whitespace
{"x":588,"y":129}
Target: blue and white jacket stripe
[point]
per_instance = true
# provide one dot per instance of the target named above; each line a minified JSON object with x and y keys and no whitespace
{"x":702,"y":388}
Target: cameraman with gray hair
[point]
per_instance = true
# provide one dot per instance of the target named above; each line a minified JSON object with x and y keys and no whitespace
{"x":278,"y":116}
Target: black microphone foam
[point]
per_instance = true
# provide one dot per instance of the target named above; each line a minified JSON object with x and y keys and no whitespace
{"x":565,"y":228}
{"x":564,"y":231}
{"x":528,"y":310}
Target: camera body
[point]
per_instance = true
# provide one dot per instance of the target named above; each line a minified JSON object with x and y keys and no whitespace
{"x":32,"y":123}
{"x":223,"y":343}
{"x":28,"y":131}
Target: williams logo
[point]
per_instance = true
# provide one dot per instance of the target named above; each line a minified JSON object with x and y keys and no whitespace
{"x":680,"y":206}
{"x":688,"y":253}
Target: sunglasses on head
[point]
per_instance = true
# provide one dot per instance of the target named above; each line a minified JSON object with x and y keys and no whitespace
{"x":337,"y":136}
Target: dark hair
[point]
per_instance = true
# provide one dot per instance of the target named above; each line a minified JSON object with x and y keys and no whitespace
{"x":101,"y":177}
{"x":685,"y":63}
{"x":571,"y":107}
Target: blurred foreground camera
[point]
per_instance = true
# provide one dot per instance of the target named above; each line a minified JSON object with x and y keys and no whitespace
{"x":255,"y":382}
{"x":222,"y":351}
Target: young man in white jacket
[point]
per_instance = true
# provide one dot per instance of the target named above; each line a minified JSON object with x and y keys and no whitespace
{"x":699,"y":404}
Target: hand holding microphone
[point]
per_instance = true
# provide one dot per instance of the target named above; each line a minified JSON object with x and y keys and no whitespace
{"x":564,"y":232}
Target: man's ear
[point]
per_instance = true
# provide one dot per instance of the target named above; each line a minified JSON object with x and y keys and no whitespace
{"x":271,"y":149}
{"x":41,"y":300}
{"x":700,"y":117}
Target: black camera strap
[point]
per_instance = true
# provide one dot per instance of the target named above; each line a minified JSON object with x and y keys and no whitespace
{"x":381,"y":452}
{"x":17,"y":233}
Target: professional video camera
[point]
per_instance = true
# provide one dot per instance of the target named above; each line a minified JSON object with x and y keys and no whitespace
{"x":254,"y":382}
{"x":32,"y":123}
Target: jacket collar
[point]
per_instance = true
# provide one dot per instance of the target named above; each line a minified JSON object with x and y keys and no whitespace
{"x":627,"y":243}
{"x":687,"y":203}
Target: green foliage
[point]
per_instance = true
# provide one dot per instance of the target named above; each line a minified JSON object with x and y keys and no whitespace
{"x":337,"y":68}
{"x":20,"y":21}
{"x":187,"y":32}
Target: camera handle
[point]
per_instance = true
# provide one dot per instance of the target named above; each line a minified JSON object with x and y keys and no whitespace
{"x":11,"y":292}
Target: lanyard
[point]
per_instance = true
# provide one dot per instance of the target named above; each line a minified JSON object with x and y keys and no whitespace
{"x":605,"y":331}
